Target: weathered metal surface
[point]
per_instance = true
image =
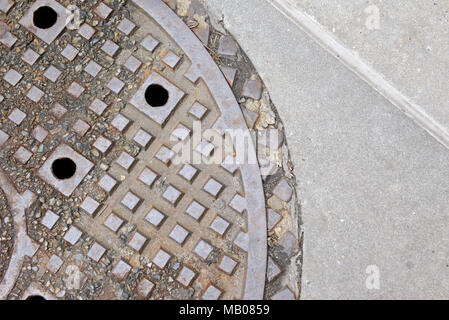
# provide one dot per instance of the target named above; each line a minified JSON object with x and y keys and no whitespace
{"x":130,"y":222}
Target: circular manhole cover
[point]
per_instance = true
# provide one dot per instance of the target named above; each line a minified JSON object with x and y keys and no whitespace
{"x":121,"y":144}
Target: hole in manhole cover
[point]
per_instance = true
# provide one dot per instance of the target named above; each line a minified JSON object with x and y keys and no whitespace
{"x":110,"y":162}
{"x":156,"y":95}
{"x":36,"y":298}
{"x":44,"y":17}
{"x":63,"y":168}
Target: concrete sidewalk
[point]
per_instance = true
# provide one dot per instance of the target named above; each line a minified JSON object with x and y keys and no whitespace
{"x":373,"y":183}
{"x":405,"y":42}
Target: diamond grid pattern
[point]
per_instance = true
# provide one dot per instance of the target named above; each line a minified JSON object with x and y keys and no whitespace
{"x":191,"y":189}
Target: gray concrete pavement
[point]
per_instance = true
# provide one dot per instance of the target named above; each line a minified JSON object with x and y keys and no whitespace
{"x":373,"y":183}
{"x":405,"y":41}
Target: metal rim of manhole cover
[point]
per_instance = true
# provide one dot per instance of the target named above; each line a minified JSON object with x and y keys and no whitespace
{"x":127,"y":163}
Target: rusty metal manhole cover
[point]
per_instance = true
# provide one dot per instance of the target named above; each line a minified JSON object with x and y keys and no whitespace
{"x":96,"y":201}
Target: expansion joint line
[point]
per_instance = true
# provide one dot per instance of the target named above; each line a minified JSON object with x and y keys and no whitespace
{"x":364,"y":71}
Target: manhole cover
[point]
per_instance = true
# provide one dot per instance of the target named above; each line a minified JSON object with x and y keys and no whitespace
{"x":95,"y":120}
{"x":7,"y":234}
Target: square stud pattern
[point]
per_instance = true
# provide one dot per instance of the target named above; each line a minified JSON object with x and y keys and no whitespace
{"x":142,"y":138}
{"x":3,"y":137}
{"x":219,"y":225}
{"x":188,"y":172}
{"x":172,"y":195}
{"x":185,"y":276}
{"x":116,"y":85}
{"x":102,"y":144}
{"x":52,"y":73}
{"x":50,"y":219}
{"x":253,"y":89}
{"x":283,"y":190}
{"x":125,"y":161}
{"x":137,"y":242}
{"x":171,"y":59}
{"x":98,"y":106}
{"x":22,"y":155}
{"x":12,"y":77}
{"x":273,"y":219}
{"x":107,"y":183}
{"x":8,"y":39}
{"x":198,"y":110}
{"x":242,"y":241}
{"x":58,"y":110}
{"x":80,"y":127}
{"x":205,"y":148}
{"x":121,"y":270}
{"x":213,"y":187}
{"x":75,"y":89}
{"x":227,"y":265}
{"x":120,"y":122}
{"x":230,"y":164}
{"x":126,"y":26}
{"x":273,"y":270}
{"x":86,"y":31}
{"x":212,"y":293}
{"x":103,"y":11}
{"x":39,"y":133}
{"x":165,"y":155}
{"x":113,"y":222}
{"x":149,"y":43}
{"x":227,"y":47}
{"x":155,"y":217}
{"x":145,"y":287}
{"x":148,"y":177}
{"x":110,"y":48}
{"x":181,"y":132}
{"x":195,"y":210}
{"x":73,"y":235}
{"x":35,"y":94}
{"x":161,"y":259}
{"x":96,"y":252}
{"x":131,"y":201}
{"x":284,"y":294}
{"x":17,"y":116}
{"x":5,"y":5}
{"x":203,"y":249}
{"x":229,"y":74}
{"x":238,"y":203}
{"x":93,"y":68}
{"x":132,"y":64}
{"x":179,"y":234}
{"x":54,"y":263}
{"x":90,"y":206}
{"x":69,"y":52}
{"x":30,"y":56}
